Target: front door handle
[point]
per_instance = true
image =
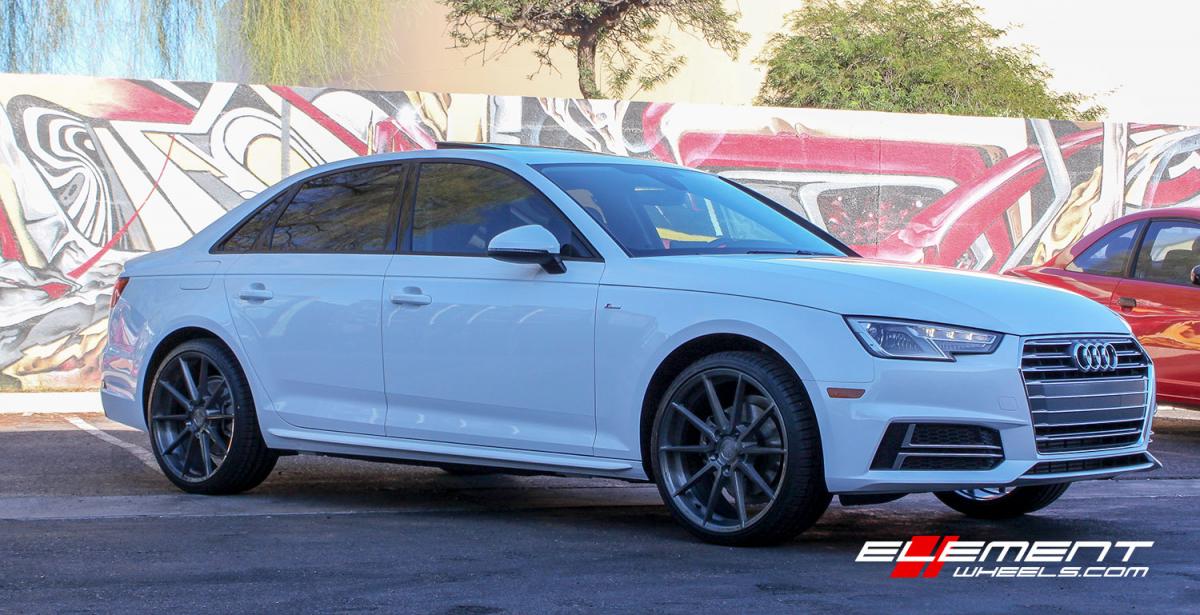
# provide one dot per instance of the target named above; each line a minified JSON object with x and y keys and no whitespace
{"x":411,"y":298}
{"x":1127,"y":302}
{"x":255,"y":293}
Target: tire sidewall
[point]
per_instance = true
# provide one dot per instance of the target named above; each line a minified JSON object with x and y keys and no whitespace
{"x":245,"y":416}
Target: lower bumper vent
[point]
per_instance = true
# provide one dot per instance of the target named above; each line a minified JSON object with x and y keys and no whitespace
{"x":938,"y":446}
{"x":1088,"y":465}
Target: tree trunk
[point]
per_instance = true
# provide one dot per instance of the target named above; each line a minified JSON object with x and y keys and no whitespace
{"x":585,"y":62}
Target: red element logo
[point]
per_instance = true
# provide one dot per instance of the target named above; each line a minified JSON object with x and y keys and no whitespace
{"x":922,"y":553}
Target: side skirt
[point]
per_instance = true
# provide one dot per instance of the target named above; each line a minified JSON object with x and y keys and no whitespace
{"x":359,"y":445}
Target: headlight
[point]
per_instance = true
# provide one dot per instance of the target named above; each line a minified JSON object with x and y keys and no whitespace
{"x":903,"y":339}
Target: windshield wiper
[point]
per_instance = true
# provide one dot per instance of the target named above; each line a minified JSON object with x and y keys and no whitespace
{"x":798,"y":252}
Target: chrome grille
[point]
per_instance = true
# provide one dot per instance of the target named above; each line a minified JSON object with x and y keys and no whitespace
{"x":1074,"y":410}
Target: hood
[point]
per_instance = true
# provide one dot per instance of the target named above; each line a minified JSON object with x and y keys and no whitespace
{"x":864,"y":287}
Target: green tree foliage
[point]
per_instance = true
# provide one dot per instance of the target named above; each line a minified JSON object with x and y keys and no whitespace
{"x":621,"y":33}
{"x":313,"y":41}
{"x":917,"y":56}
{"x":280,"y":41}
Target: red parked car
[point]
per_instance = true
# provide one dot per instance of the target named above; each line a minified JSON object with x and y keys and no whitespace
{"x":1146,"y":267}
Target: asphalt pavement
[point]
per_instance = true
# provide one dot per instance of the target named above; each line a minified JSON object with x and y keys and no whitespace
{"x":87,"y":525}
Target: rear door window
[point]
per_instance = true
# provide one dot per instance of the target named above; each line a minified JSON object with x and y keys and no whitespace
{"x":350,"y":212}
{"x":246,"y":236}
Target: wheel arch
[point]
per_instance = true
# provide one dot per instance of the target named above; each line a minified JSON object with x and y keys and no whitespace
{"x":685,"y":354}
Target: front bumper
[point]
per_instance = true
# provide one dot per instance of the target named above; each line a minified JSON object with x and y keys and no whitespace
{"x":985,"y":391}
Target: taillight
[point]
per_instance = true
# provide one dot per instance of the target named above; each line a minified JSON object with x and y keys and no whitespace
{"x":118,"y":288}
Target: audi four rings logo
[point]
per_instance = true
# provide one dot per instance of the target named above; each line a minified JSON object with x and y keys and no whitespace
{"x":1095,"y":356}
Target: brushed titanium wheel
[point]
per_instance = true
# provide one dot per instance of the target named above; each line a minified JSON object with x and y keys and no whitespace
{"x":191,"y":416}
{"x":983,"y":494}
{"x":724,"y":469}
{"x":202,"y":423}
{"x":1002,"y":502}
{"x":735,"y":451}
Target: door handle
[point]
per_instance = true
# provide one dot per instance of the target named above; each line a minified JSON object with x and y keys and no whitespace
{"x":255,"y":294}
{"x":1127,"y":302}
{"x":411,"y":299}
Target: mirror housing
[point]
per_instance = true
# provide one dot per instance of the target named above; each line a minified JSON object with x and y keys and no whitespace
{"x":1196,"y":275}
{"x":528,"y":245}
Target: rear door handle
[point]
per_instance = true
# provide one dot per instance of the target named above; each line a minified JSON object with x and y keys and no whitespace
{"x":415,"y":298}
{"x":1127,"y":302}
{"x":255,"y":294}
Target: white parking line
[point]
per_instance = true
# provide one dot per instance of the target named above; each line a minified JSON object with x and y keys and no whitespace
{"x":146,"y":456}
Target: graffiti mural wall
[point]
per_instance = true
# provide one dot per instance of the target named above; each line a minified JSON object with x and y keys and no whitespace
{"x":96,"y":171}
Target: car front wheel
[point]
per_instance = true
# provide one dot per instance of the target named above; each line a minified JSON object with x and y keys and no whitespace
{"x":203,"y":427}
{"x":736,"y":452}
{"x":1002,"y":502}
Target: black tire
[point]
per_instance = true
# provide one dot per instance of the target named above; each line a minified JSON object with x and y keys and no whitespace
{"x":1015,"y":503}
{"x":247,"y":461}
{"x":801,"y":496}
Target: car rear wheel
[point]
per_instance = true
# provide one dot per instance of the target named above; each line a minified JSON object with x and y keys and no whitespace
{"x":1002,"y":502}
{"x":203,"y":427}
{"x":736,"y":452}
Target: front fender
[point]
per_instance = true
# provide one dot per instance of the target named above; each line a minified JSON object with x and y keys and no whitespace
{"x":637,"y":328}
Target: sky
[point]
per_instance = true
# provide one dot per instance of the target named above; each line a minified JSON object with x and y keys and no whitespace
{"x":1135,"y":56}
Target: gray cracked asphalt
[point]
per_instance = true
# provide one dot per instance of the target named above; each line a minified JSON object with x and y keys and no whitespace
{"x":86,"y":526}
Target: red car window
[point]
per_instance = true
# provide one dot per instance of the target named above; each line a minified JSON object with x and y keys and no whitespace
{"x":1169,"y":252}
{"x":1110,"y":254}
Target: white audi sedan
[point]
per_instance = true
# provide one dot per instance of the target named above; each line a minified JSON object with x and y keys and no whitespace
{"x":530,"y":309}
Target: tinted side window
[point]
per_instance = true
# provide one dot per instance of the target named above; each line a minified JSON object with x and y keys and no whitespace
{"x":460,"y":207}
{"x":1169,"y":253}
{"x":1110,"y":255}
{"x":345,"y":212}
{"x":243,"y":239}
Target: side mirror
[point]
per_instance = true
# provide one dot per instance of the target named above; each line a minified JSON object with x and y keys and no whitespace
{"x":1196,"y":275}
{"x":528,"y":245}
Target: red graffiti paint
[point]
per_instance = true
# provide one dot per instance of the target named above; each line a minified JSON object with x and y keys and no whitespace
{"x":10,"y":249}
{"x":326,"y":122}
{"x":89,"y":263}
{"x":55,"y":289}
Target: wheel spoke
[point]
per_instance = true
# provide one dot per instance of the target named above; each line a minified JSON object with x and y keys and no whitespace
{"x":739,"y":398}
{"x":739,"y":494}
{"x":220,"y":417}
{"x":714,"y":404}
{"x":203,"y":379}
{"x":221,"y":449}
{"x":187,"y":379}
{"x":217,"y":392}
{"x":757,"y":479}
{"x":187,"y":455}
{"x":179,"y":397}
{"x":763,"y":450}
{"x":695,"y":477}
{"x":183,"y":435}
{"x":171,"y":417}
{"x":206,"y":454}
{"x":758,"y":422}
{"x":686,"y":448}
{"x":695,"y":420}
{"x":718,"y":482}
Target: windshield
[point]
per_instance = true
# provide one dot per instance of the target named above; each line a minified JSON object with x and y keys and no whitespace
{"x":655,"y":211}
